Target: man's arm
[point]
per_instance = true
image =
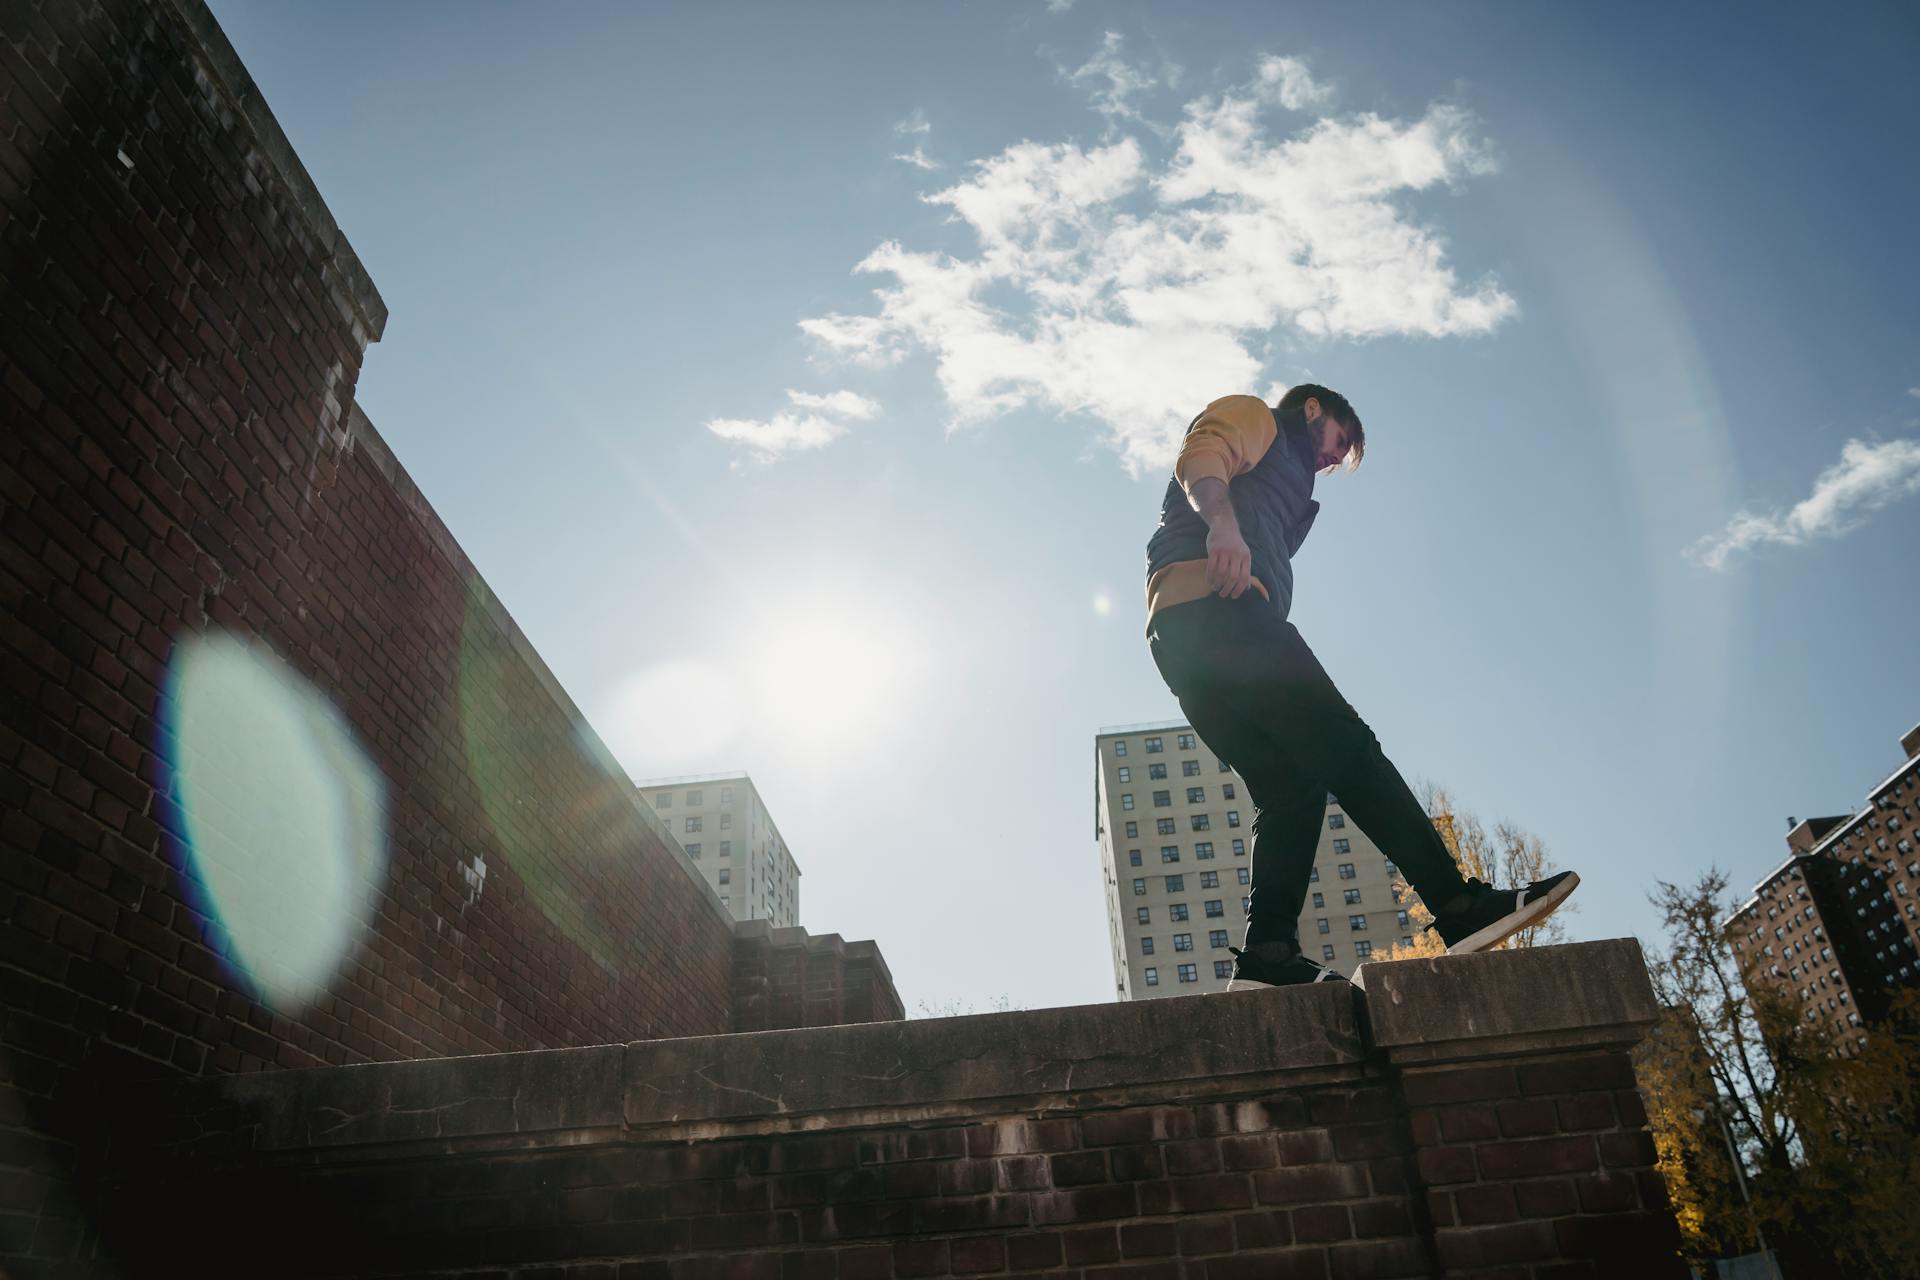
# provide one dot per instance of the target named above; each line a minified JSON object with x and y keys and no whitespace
{"x":1229,"y":562}
{"x":1226,"y":441}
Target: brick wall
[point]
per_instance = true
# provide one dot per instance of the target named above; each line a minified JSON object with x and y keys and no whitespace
{"x":181,"y":329}
{"x":785,"y":978}
{"x":1469,"y":1116}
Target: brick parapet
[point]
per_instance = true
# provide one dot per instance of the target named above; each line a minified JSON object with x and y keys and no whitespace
{"x":1258,"y":1134}
{"x":785,"y":977}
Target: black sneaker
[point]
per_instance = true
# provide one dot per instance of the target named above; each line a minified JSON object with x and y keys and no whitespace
{"x":1276,"y":964}
{"x":1492,"y":915}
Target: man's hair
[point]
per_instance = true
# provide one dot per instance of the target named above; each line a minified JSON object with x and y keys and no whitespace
{"x":1331,"y":402}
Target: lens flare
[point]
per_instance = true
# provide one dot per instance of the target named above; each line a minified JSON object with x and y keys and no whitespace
{"x":281,"y":818}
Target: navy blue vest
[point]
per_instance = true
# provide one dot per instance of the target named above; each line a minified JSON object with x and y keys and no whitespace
{"x":1273,"y":502}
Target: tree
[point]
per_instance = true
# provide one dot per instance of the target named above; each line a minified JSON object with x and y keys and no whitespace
{"x":1507,"y":856}
{"x":1827,"y":1139}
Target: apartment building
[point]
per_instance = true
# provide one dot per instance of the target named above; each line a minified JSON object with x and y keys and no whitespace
{"x":1836,"y":925}
{"x":725,"y":831}
{"x":1174,"y":826}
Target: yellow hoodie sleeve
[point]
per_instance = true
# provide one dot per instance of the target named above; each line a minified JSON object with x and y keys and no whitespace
{"x":1232,"y":435}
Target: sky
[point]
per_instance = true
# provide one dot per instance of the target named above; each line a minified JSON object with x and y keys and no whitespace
{"x":805,"y":380}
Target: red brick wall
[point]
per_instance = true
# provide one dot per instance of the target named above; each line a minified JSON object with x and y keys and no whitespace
{"x":1539,"y":1170}
{"x":784,"y":978}
{"x":181,"y":329}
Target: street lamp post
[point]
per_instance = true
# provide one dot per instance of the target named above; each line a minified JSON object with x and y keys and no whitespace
{"x":1739,"y":1174}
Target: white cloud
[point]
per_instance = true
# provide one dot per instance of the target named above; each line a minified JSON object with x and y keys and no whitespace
{"x":821,"y":421}
{"x":1059,"y":6}
{"x":1136,"y":292}
{"x":1121,"y":79}
{"x":1289,"y":84}
{"x":916,"y":125}
{"x":1914,"y":392}
{"x":1867,"y":478}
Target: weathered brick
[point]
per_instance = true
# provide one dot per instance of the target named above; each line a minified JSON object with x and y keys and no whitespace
{"x":1092,"y":1244}
{"x":1489,"y":1202}
{"x":1310,"y":1184}
{"x":1318,"y":1223}
{"x":1536,"y":1157}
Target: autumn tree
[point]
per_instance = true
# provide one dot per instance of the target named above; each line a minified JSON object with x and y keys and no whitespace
{"x":1824,"y":1132}
{"x":1507,"y":855}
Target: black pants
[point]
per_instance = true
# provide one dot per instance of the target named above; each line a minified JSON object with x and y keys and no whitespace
{"x":1261,"y":701}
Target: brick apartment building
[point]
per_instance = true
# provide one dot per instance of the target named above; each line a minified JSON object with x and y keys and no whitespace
{"x":1837,"y":924}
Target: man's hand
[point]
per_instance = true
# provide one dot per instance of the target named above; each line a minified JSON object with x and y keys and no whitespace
{"x":1229,"y":563}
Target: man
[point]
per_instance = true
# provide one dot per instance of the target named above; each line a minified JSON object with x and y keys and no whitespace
{"x":1219,"y":588}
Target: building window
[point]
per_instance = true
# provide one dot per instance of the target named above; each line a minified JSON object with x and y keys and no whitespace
{"x":1217,"y":938}
{"x":1156,"y":773}
{"x":1406,"y":941}
{"x":1120,"y":747}
{"x":1202,"y":822}
{"x":726,"y":875}
{"x":1346,"y":871}
{"x":1336,"y":820}
{"x":693,"y":824}
{"x":1153,"y":747}
{"x":1209,"y":879}
{"x":1400,"y":918}
{"x":1356,"y":923}
{"x":1313,"y":873}
{"x":664,"y":800}
{"x":1133,"y":857}
{"x":1239,"y":847}
{"x":1146,"y":946}
{"x":1177,"y":912}
{"x":1133,"y":831}
{"x":1183,"y":942}
{"x":1143,"y":915}
{"x":1163,"y":826}
{"x":1176,"y":884}
{"x":1186,"y":742}
{"x":1169,"y":853}
{"x":1227,"y":792}
{"x":726,"y":821}
{"x":1225,"y":767}
{"x":1319,"y":900}
{"x":1214,"y":908}
{"x":1353,"y":897}
{"x":1153,"y":976}
{"x":1162,"y":799}
{"x":1139,"y":887}
{"x":1243,"y":874}
{"x":1126,"y":774}
{"x":696,"y":797}
{"x":1326,"y":952}
{"x":1233,"y":817}
{"x":1203,"y":849}
{"x":1189,"y":973}
{"x":726,"y":848}
{"x":1189,"y":768}
{"x":726,"y":795}
{"x":1223,"y":968}
{"x":1126,"y":800}
{"x":693,"y":850}
{"x":1363,"y":949}
{"x":1320,"y":925}
{"x":1342,"y":845}
{"x":1196,"y":795}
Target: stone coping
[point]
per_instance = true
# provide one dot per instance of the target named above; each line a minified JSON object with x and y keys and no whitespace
{"x":1545,"y":1000}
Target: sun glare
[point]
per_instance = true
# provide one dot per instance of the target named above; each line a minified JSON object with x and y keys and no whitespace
{"x":832,"y":677}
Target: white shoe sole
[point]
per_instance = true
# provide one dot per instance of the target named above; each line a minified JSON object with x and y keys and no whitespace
{"x":1508,"y":925}
{"x":1248,"y":984}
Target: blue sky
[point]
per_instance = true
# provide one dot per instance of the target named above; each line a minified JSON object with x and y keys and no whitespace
{"x":855,"y":340}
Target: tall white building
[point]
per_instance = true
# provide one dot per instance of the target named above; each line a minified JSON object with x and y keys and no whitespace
{"x":1174,"y":826}
{"x":725,"y":831}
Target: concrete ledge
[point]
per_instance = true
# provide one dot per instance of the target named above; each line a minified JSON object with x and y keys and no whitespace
{"x":1541,"y":999}
{"x":925,"y":1068}
{"x":803,"y":1079}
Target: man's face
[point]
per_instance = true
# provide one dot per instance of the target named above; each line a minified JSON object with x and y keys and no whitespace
{"x":1331,"y":439}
